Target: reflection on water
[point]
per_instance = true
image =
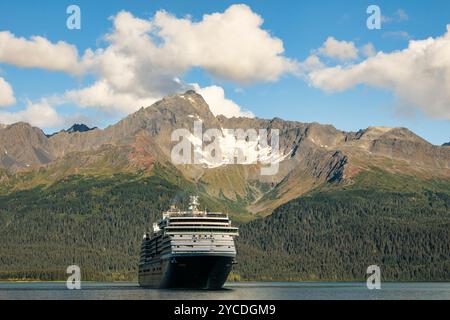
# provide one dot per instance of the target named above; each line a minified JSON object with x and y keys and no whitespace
{"x":232,"y":291}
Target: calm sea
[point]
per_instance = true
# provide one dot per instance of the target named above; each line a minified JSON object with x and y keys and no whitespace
{"x":234,"y":291}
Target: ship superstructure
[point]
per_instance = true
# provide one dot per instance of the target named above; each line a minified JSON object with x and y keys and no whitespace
{"x":188,"y":249}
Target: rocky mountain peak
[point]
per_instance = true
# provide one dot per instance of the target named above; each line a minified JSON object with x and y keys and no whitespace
{"x":22,"y":146}
{"x":373,"y":132}
{"x":79,"y":128}
{"x":75,"y":128}
{"x":20,"y":124}
{"x":186,"y":103}
{"x":311,"y":153}
{"x":388,"y":135}
{"x":24,"y":130}
{"x":405,"y":135}
{"x":309,"y":150}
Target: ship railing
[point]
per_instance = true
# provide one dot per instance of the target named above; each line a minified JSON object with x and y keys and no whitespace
{"x":194,"y":214}
{"x":198,"y":227}
{"x":196,"y":232}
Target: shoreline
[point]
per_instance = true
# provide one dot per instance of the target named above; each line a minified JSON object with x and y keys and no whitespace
{"x":228,"y":282}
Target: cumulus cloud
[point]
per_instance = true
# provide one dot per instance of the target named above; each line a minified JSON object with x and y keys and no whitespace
{"x":144,"y":58}
{"x":102,"y":96}
{"x":38,"y":52}
{"x":224,"y":44}
{"x":219,"y":104}
{"x":368,"y":50}
{"x":6,"y":93}
{"x":341,"y":50}
{"x":418,"y":75}
{"x":310,"y":64}
{"x":39,"y":114}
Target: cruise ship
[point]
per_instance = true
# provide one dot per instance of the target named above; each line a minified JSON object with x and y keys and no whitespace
{"x":188,"y":249}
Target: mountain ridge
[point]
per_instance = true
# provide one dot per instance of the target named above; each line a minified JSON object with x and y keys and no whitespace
{"x":313,"y":154}
{"x":77,"y":127}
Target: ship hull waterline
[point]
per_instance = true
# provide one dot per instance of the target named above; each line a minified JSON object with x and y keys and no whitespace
{"x":188,"y":272}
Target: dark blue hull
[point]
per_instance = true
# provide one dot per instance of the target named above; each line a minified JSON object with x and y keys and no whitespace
{"x":188,"y":272}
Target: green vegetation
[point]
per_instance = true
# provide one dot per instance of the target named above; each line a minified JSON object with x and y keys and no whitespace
{"x":336,"y":235}
{"x":95,"y":223}
{"x":333,"y":233}
{"x":384,"y":181}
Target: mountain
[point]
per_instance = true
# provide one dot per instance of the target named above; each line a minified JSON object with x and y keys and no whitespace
{"x":75,"y":128}
{"x":312,"y":154}
{"x":446,"y":144}
{"x":98,"y":189}
{"x":23,"y":146}
{"x":79,"y":128}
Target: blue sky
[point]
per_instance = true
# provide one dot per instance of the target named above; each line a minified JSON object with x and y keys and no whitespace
{"x":302,"y":26}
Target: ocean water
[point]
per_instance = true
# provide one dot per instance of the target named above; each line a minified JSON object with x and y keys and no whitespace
{"x":231,"y":291}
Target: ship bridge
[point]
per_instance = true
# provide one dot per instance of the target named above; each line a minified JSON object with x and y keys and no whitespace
{"x":197,"y":231}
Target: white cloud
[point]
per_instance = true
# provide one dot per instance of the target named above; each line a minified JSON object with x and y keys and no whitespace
{"x":311,"y":63}
{"x":6,"y":93}
{"x":418,"y":75}
{"x":38,"y":52}
{"x":39,"y":114}
{"x":224,"y":44}
{"x":144,"y":58}
{"x":219,"y":104}
{"x":369,"y":50}
{"x":341,"y":50}
{"x":102,"y":96}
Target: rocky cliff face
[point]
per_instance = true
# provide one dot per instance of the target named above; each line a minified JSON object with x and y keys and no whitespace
{"x":310,"y":154}
{"x":23,"y":146}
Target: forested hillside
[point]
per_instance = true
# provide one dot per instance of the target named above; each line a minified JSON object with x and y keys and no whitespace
{"x":336,"y":235}
{"x":333,"y":233}
{"x":94,"y":223}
